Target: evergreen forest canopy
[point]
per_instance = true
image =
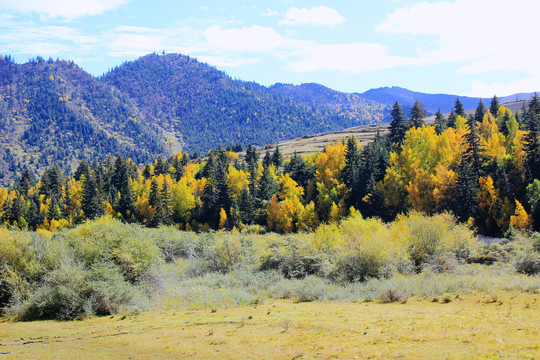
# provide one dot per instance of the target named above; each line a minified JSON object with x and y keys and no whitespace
{"x":484,"y":168}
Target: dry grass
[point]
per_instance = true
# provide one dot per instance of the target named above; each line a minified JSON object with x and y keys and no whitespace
{"x":310,"y":144}
{"x":470,"y":326}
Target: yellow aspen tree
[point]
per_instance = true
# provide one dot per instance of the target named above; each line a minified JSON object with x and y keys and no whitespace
{"x":521,"y":220}
{"x":222,"y":218}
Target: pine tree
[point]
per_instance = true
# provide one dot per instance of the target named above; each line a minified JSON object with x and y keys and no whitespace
{"x":26,"y":182}
{"x":440,"y":122}
{"x":467,"y":188}
{"x":452,"y":119}
{"x":474,"y":156}
{"x":351,"y":171}
{"x":82,"y":169}
{"x":458,"y":108}
{"x":494,"y":106}
{"x":481,"y":110}
{"x":277,"y":158}
{"x":532,"y":139}
{"x":398,"y":126}
{"x":91,"y":202}
{"x":267,"y":160}
{"x":418,"y":114}
{"x":267,"y":186}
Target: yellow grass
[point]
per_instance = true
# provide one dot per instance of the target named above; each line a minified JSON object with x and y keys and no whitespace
{"x":470,"y":326}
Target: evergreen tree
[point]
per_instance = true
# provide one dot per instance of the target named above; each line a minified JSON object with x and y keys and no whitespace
{"x":351,"y":171}
{"x":54,"y":209}
{"x":458,"y":107}
{"x":33,"y":215}
{"x":532,"y":138}
{"x":452,"y":119}
{"x":267,"y":186}
{"x":474,"y":156}
{"x":440,"y":122}
{"x":299,"y":171}
{"x":25,"y":182}
{"x":466,"y":191}
{"x":91,"y":202}
{"x":267,"y":160}
{"x":481,"y":110}
{"x":247,"y":207}
{"x":398,"y":125}
{"x":418,"y":114}
{"x":82,"y":169}
{"x":494,"y":106}
{"x":121,"y":182}
{"x":277,"y":158}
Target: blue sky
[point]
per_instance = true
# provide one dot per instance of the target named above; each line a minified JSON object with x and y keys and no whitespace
{"x":463,"y":47}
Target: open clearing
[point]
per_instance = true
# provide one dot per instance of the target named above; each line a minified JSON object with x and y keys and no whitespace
{"x":473,"y":326}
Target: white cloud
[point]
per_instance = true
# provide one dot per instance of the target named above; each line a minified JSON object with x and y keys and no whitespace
{"x":481,"y":89}
{"x":321,"y":15}
{"x":248,"y":39}
{"x":62,"y":8}
{"x":270,"y":12}
{"x":351,"y":58}
{"x":484,"y":33}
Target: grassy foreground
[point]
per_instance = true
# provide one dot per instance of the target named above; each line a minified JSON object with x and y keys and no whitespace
{"x":470,"y":326}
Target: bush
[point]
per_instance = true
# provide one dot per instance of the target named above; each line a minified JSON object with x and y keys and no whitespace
{"x":431,"y":237}
{"x":72,"y":291}
{"x":128,"y":246}
{"x":527,"y":262}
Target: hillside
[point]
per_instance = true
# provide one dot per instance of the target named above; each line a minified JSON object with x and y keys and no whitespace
{"x":353,"y":106}
{"x":202,"y":107}
{"x":53,"y":112}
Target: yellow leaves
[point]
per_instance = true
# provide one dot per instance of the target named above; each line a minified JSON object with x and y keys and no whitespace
{"x":521,"y":220}
{"x":289,"y":188}
{"x":183,"y":200}
{"x":51,"y":77}
{"x":491,"y":138}
{"x":237,"y":180}
{"x":222,"y":218}
{"x":329,"y":165}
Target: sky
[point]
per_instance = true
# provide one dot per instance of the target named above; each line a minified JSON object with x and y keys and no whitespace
{"x":462,"y":47}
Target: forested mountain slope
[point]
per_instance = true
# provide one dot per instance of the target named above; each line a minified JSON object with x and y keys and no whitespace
{"x":203,"y":107}
{"x":53,"y":112}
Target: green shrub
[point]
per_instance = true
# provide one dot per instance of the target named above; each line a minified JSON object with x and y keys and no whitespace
{"x":72,"y":291}
{"x":128,"y":246}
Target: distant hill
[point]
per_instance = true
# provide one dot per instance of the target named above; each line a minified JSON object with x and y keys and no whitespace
{"x":406,"y":98}
{"x":353,"y":106}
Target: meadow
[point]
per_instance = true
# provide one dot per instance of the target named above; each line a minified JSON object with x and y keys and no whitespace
{"x":419,"y":287}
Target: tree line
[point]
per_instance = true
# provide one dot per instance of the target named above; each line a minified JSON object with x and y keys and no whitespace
{"x":483,"y":167}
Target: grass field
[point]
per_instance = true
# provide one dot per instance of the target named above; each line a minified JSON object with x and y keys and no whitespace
{"x":464,"y":326}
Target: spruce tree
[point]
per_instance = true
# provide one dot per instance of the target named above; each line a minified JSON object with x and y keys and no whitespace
{"x":466,"y":192}
{"x":481,"y":110}
{"x":91,"y":202}
{"x":494,"y":106}
{"x":440,"y":122}
{"x":458,"y":107}
{"x":351,"y":171}
{"x":418,"y":114}
{"x":25,"y":182}
{"x":452,"y":119}
{"x":277,"y":158}
{"x":398,"y":126}
{"x":532,"y":139}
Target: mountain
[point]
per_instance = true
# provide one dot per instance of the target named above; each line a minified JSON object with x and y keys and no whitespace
{"x":406,"y":98}
{"x":53,"y":112}
{"x":200,"y":107}
{"x":353,"y":106}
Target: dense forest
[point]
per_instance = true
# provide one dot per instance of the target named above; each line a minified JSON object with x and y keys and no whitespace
{"x":484,"y":168}
{"x":53,"y":112}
